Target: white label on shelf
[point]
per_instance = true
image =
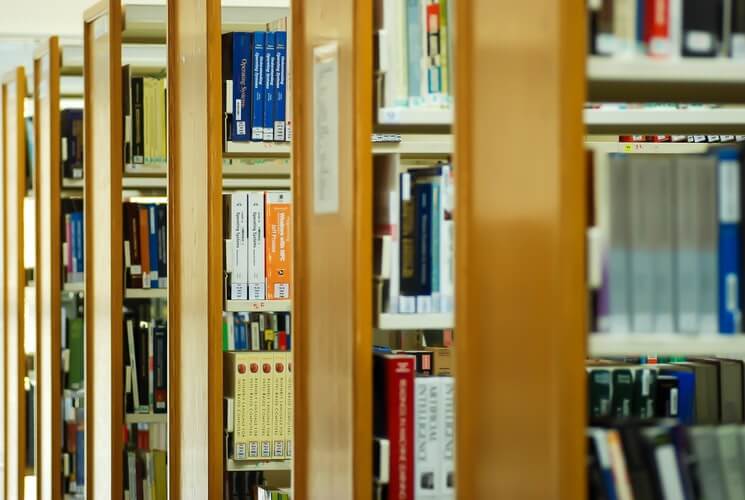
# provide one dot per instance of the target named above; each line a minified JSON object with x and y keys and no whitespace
{"x":738,"y":46}
{"x":101,"y":26}
{"x":699,"y":41}
{"x":326,"y":128}
{"x":673,"y":402}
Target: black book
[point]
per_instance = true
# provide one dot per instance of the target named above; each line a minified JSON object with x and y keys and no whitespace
{"x":599,"y":391}
{"x":641,"y":472}
{"x":227,"y":76}
{"x":129,"y":404}
{"x":160,"y":362}
{"x":702,"y":27}
{"x":71,"y":130}
{"x":127,"y":113}
{"x":143,"y":360}
{"x":623,"y":392}
{"x":645,"y":383}
{"x":667,"y":396}
{"x":595,"y":482}
{"x":138,"y":126}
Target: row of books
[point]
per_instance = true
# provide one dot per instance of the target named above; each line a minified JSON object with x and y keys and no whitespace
{"x":257,"y":331}
{"x":146,"y":365}
{"x":146,"y":245}
{"x":414,"y":429}
{"x":73,"y":442}
{"x":414,"y":237}
{"x":71,"y":130}
{"x":72,"y":240}
{"x":244,"y":485}
{"x":695,"y":139}
{"x":413,"y":53}
{"x":145,"y":464}
{"x":145,"y":110}
{"x":258,"y":405}
{"x":665,"y":246}
{"x":258,"y":244}
{"x":706,"y":390}
{"x":255,"y":68}
{"x":650,"y":460}
{"x":667,"y":28}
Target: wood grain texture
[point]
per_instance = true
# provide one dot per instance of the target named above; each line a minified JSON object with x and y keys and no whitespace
{"x":519,"y":249}
{"x":15,"y":189}
{"x":103,"y":253}
{"x":195,"y":250}
{"x":48,"y":274}
{"x":333,"y":305}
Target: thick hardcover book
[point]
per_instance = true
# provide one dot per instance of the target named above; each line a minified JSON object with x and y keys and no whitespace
{"x":162,"y":245}
{"x":687,"y":261}
{"x":278,"y":244}
{"x":138,"y":119}
{"x":662,"y":456}
{"x":242,"y":76}
{"x":269,"y":90}
{"x":733,"y":463}
{"x":280,"y":85}
{"x":394,"y":418}
{"x":658,"y":29}
{"x":242,"y":385}
{"x":144,"y":238}
{"x":614,"y":178}
{"x":702,"y":27}
{"x":266,"y":378}
{"x":642,"y":231}
{"x":661,"y":176}
{"x":729,"y":241}
{"x":152,"y":211}
{"x":447,"y":436}
{"x":132,"y":328}
{"x":686,"y":394}
{"x":667,"y":397}
{"x":645,"y":388}
{"x":160,"y":357}
{"x":258,"y":40}
{"x":239,"y":245}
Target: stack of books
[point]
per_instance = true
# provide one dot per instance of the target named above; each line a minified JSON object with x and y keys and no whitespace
{"x":146,"y":245}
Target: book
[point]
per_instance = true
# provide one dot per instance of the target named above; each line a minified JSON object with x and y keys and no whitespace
{"x":160,"y":362}
{"x":71,"y":148}
{"x":239,"y":46}
{"x":278,"y":215}
{"x":255,"y":246}
{"x":270,"y":59}
{"x":701,"y":28}
{"x":258,"y":40}
{"x":427,"y":466}
{"x":153,"y":244}
{"x":729,"y":241}
{"x":280,"y":85}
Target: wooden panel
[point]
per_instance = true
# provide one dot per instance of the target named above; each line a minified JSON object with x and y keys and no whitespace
{"x":103,"y":252}
{"x":48,"y":274}
{"x":195,"y":250}
{"x":333,"y":300}
{"x":519,"y":246}
{"x":15,"y":189}
{"x":3,"y":299}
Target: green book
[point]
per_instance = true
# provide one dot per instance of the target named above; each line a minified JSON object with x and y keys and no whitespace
{"x":599,"y":389}
{"x":77,"y":352}
{"x":623,"y":392}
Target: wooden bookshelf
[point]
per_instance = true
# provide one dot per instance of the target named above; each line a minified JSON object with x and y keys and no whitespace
{"x":145,"y":418}
{"x":14,"y":154}
{"x":48,"y":273}
{"x":258,"y":305}
{"x":666,"y":121}
{"x":146,"y":293}
{"x":104,"y":289}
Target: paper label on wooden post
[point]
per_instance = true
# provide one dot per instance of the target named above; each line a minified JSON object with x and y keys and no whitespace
{"x":326,"y":128}
{"x":101,"y":26}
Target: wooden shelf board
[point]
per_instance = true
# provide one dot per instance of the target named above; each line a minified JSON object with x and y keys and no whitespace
{"x":146,"y":418}
{"x":690,"y":120}
{"x":416,"y":321}
{"x":260,"y":149}
{"x":74,"y":287}
{"x":648,"y":147}
{"x":609,"y":344}
{"x":246,"y":465}
{"x":258,"y":305}
{"x":415,"y":116}
{"x":146,"y":293}
{"x":256,"y":167}
{"x":417,"y":145}
{"x":72,"y":59}
{"x":142,"y":182}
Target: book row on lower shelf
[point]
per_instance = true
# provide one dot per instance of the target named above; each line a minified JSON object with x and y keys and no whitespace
{"x":256,"y":331}
{"x":696,"y":139}
{"x":73,"y":396}
{"x":146,"y":364}
{"x":414,"y":237}
{"x":413,"y":425}
{"x":71,"y":125}
{"x":259,"y":405}
{"x":258,"y":245}
{"x":146,"y":245}
{"x":665,"y":242}
{"x":72,"y":240}
{"x":146,"y":462}
{"x":248,"y":485}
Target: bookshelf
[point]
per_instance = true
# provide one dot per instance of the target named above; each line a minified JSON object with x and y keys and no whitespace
{"x":418,"y":321}
{"x":641,"y":344}
{"x":14,"y":155}
{"x":145,"y":293}
{"x":639,"y":121}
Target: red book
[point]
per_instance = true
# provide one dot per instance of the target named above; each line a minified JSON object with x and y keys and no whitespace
{"x":394,"y":419}
{"x":658,"y":28}
{"x":144,"y":246}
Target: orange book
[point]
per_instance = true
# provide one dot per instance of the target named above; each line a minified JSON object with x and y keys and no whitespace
{"x":145,"y":246}
{"x":278,"y":215}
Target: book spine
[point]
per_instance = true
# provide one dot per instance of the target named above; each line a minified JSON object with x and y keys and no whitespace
{"x":151,"y":368}
{"x":138,"y":148}
{"x":242,"y":75}
{"x":161,"y":370}
{"x":687,"y":268}
{"x":256,"y":268}
{"x":279,"y":400}
{"x":269,"y":63}
{"x":415,"y":50}
{"x":81,"y":248}
{"x":144,"y":238}
{"x":701,"y":28}
{"x":605,"y":37}
{"x":266,"y":431}
{"x":659,"y":34}
{"x":624,"y":25}
{"x":239,"y":239}
{"x":407,"y":265}
{"x":447,"y":437}
{"x":447,"y":242}
{"x":663,"y":251}
{"x":444,"y":62}
{"x":288,"y":88}
{"x":427,"y":468}
{"x":163,"y":245}
{"x":257,"y":99}
{"x":423,"y":245}
{"x":399,"y":407}
{"x":154,"y":246}
{"x":280,"y":71}
{"x":289,"y":415}
{"x":134,"y":360}
{"x":434,"y":77}
{"x":72,"y":245}
{"x":641,"y":258}
{"x":143,"y":367}
{"x":434,"y":270}
{"x":708,"y":246}
{"x":729,"y":242}
{"x":278,"y":244}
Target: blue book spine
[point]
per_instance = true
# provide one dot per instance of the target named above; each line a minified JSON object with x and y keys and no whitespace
{"x":423,"y":234}
{"x":269,"y":63}
{"x":640,"y":23}
{"x":81,"y":246}
{"x":77,"y":237}
{"x":80,"y":457}
{"x":280,"y":71}
{"x":74,"y":240}
{"x":435,"y":247}
{"x":241,"y":81}
{"x":729,"y":241}
{"x":257,"y":93}
{"x":152,"y":211}
{"x":237,"y":340}
{"x":415,"y":48}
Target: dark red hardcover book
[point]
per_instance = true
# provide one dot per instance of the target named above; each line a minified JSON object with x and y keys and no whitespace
{"x":131,"y":234}
{"x":394,"y":419}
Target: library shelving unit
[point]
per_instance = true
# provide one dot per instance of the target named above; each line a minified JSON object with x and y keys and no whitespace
{"x":204,"y":166}
{"x":14,"y":155}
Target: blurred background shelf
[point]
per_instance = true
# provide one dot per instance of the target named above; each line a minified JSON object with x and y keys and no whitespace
{"x":609,"y":344}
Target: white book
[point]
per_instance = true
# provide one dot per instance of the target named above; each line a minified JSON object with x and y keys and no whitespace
{"x":239,"y":239}
{"x":133,"y":363}
{"x":667,"y":467}
{"x":446,"y":487}
{"x":613,"y":219}
{"x":663,"y":244}
{"x":427,"y":406}
{"x":624,"y":26}
{"x":642,"y":260}
{"x":255,"y":251}
{"x":447,"y":241}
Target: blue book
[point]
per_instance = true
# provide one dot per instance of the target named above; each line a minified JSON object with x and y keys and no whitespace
{"x":152,"y":213}
{"x":280,"y":71}
{"x":686,"y":395}
{"x":423,"y":248}
{"x":241,"y":81}
{"x":257,"y":91}
{"x":80,"y":457}
{"x":729,"y":240}
{"x":77,"y":227}
{"x":237,"y":333}
{"x":269,"y":63}
{"x":415,"y":49}
{"x":640,"y":22}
